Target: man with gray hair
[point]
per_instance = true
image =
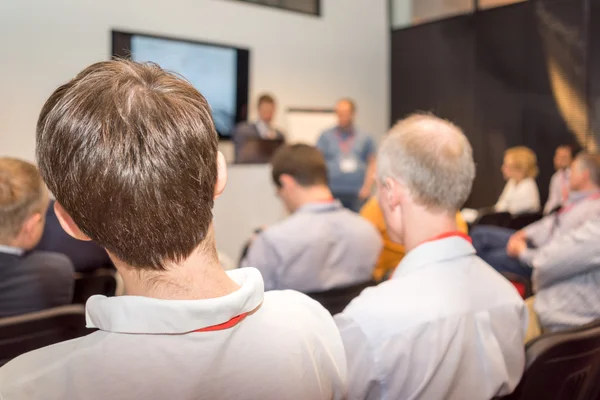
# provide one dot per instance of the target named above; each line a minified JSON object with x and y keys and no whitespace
{"x":456,"y":327}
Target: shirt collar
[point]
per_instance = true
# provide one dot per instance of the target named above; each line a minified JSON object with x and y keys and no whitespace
{"x":11,"y":250}
{"x":323,"y":206}
{"x":577,"y":196}
{"x":145,"y":315}
{"x":432,"y":253}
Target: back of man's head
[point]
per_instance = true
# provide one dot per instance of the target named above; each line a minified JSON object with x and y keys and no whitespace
{"x":130,"y":152}
{"x":22,"y":194}
{"x":432,"y":158}
{"x":302,"y":162}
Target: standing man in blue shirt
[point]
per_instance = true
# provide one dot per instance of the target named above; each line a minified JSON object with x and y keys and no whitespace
{"x":350,"y":158}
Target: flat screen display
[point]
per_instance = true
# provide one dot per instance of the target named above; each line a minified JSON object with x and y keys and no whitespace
{"x":220,"y":73}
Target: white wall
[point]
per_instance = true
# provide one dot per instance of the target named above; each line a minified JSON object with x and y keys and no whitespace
{"x":305,"y":61}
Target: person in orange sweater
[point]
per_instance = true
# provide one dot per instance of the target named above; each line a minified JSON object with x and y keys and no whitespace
{"x":392,"y":253}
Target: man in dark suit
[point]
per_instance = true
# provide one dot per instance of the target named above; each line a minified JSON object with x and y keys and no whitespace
{"x":261,"y":129}
{"x":85,"y":256}
{"x":29,"y":280}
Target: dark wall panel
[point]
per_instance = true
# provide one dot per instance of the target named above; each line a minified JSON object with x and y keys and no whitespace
{"x":494,"y":74}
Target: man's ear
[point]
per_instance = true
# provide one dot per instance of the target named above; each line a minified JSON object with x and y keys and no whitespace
{"x":68,"y":224}
{"x":30,"y":223}
{"x":221,"y":175}
{"x":286,"y":181}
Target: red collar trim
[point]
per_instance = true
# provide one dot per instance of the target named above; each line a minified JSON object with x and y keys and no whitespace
{"x":225,"y":325}
{"x":450,"y":234}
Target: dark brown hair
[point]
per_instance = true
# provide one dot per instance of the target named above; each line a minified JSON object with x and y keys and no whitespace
{"x":130,"y":152}
{"x":302,"y":162}
{"x":266,"y":98}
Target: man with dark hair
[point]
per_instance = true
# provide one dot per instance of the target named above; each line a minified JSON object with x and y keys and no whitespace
{"x":29,"y":280}
{"x":559,"y":184}
{"x":130,"y":152}
{"x":350,"y":158}
{"x":321,"y":246}
{"x":263,"y":128}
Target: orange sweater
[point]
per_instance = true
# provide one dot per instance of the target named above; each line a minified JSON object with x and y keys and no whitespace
{"x":392,"y":253}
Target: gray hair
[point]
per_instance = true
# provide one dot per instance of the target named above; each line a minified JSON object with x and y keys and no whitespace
{"x":432,"y":157}
{"x":591,"y":162}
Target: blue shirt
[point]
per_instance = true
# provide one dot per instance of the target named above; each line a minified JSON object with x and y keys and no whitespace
{"x":321,"y":246}
{"x":335,"y":146}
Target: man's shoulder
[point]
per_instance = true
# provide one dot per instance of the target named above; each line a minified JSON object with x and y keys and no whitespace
{"x":297,"y":305}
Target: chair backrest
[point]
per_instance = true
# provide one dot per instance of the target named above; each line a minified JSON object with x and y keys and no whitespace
{"x":501,"y":219}
{"x":520,"y":221}
{"x":562,"y":366}
{"x":335,"y":300}
{"x":101,"y":281}
{"x":24,"y":333}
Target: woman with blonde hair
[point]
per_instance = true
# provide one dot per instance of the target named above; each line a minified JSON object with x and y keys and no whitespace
{"x":520,"y":194}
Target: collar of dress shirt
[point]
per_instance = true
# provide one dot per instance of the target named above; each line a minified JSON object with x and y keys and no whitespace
{"x":321,"y":206}
{"x":577,"y":196}
{"x":145,"y":315}
{"x":433,"y":252}
{"x":11,"y":250}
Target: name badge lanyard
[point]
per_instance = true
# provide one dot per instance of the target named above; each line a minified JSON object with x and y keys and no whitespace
{"x":564,"y":210}
{"x":345,"y":144}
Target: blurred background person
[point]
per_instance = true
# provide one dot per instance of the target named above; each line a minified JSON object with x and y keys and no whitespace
{"x":350,"y":158}
{"x":29,"y":280}
{"x":513,"y":251}
{"x":263,"y":128}
{"x":559,"y":184}
{"x":321,"y":245}
{"x":520,"y":194}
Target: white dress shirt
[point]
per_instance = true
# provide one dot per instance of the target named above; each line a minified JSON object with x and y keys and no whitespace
{"x":559,"y":190}
{"x":287,"y":347}
{"x":519,"y":198}
{"x":321,"y":246}
{"x":446,"y":326}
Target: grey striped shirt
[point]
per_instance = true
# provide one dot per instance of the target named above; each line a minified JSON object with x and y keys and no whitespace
{"x":566,"y":276}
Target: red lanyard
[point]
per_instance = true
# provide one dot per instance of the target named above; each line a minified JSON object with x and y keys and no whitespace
{"x":225,"y":325}
{"x":451,"y":234}
{"x":572,"y":204}
{"x":347,"y":143}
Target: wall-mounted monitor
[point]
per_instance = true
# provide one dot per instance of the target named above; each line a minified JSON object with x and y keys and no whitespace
{"x":219,"y":72}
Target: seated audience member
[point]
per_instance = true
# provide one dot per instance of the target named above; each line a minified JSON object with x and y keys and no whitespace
{"x":85,"y":256}
{"x":566,"y":279}
{"x":391,"y":253}
{"x":520,"y":194}
{"x":456,"y":327}
{"x":322,"y":245}
{"x":29,"y":280}
{"x":510,"y":251}
{"x":145,"y":140}
{"x":559,"y":184}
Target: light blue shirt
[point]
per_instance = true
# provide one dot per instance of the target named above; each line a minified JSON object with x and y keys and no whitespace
{"x":360,"y":148}
{"x":321,"y":246}
{"x":566,"y":278}
{"x":446,"y":326}
{"x":552,"y":227}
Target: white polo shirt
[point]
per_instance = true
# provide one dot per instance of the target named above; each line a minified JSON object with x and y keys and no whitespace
{"x":446,"y":326}
{"x":287,"y":347}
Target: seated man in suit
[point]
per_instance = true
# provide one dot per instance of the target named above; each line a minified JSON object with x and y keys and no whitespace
{"x":445,"y":325}
{"x":566,"y":279}
{"x":261,"y":129}
{"x":29,"y":281}
{"x":85,"y":256}
{"x":513,"y":252}
{"x":322,"y":245}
